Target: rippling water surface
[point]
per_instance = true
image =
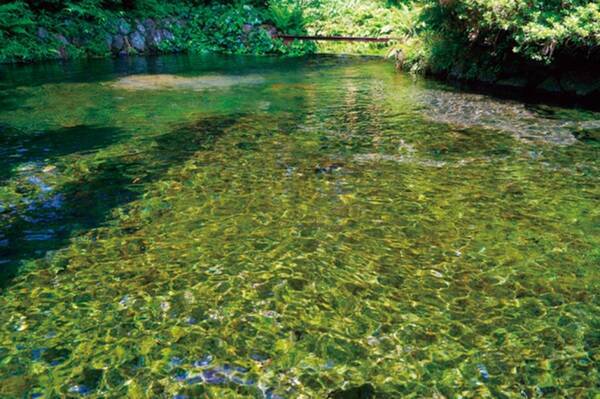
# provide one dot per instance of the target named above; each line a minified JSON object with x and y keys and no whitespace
{"x":219,"y":227}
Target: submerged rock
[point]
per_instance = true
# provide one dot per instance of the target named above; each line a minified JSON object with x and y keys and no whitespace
{"x":476,"y":110}
{"x":365,"y":391}
{"x":173,"y":82}
{"x":328,"y":168}
{"x":588,"y":135}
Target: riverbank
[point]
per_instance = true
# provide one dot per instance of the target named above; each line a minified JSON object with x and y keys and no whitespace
{"x":503,"y":53}
{"x":95,"y":32}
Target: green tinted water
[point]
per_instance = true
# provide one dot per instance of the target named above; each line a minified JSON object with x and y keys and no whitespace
{"x":265,"y":228}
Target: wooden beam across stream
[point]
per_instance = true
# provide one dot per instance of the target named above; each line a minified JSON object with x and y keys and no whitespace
{"x":338,"y":38}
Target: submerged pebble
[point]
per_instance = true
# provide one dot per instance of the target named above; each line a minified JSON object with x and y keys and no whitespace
{"x":213,"y":377}
{"x":39,"y":183}
{"x":36,"y":354}
{"x":483,"y":372}
{"x":80,"y":389}
{"x":175,"y":361}
{"x":205,"y":361}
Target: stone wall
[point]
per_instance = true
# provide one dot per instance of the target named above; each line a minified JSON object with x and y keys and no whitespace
{"x":124,"y":37}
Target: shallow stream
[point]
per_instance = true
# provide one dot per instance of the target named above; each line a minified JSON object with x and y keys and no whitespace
{"x":222,"y":227}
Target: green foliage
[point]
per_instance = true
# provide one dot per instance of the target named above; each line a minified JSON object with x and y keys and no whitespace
{"x":234,"y":29}
{"x":471,"y":38}
{"x":485,"y":36}
{"x":35,"y":30}
{"x":15,"y":19}
{"x":288,"y":17}
{"x":17,"y":34}
{"x":369,"y":18}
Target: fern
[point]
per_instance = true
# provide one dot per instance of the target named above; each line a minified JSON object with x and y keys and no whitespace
{"x":15,"y":18}
{"x":288,"y":17}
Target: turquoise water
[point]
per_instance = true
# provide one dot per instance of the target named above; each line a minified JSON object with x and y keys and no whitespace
{"x":221,"y":227}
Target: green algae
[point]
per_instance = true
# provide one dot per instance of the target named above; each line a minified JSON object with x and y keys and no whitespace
{"x":329,"y":230}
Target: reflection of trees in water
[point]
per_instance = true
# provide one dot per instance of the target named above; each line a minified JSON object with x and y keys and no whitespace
{"x":354,"y":116}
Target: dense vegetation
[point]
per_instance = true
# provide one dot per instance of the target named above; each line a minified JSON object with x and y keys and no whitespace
{"x":34,"y":30}
{"x":473,"y":39}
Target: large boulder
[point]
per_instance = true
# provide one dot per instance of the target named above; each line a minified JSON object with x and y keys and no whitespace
{"x":123,"y":27}
{"x":108,"y":39}
{"x":137,"y":41}
{"x":140,"y":27}
{"x":167,"y":35}
{"x":118,"y":42}
{"x":149,"y":24}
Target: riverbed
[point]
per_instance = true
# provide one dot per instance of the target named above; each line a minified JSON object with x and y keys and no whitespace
{"x":240,"y":227}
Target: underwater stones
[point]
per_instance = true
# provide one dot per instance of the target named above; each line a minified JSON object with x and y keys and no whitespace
{"x":213,"y":377}
{"x":175,"y":361}
{"x":11,"y":387}
{"x":36,"y":354}
{"x":49,"y":169}
{"x":205,"y":361}
{"x":79,"y":389}
{"x":468,"y":110}
{"x":55,"y":356}
{"x":328,"y":168}
{"x":258,"y":357}
{"x":247,"y":146}
{"x":269,"y":394}
{"x":365,"y":391}
{"x":173,"y":82}
{"x":485,"y":375}
{"x":588,"y":135}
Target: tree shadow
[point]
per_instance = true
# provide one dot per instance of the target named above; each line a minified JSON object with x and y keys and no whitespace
{"x":48,"y":224}
{"x":17,"y":147}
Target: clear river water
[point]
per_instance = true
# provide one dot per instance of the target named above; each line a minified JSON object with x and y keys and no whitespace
{"x":322,"y":227}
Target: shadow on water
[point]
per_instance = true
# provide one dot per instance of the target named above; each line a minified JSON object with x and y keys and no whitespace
{"x":10,"y":100}
{"x":47,"y":224}
{"x":17,"y":147}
